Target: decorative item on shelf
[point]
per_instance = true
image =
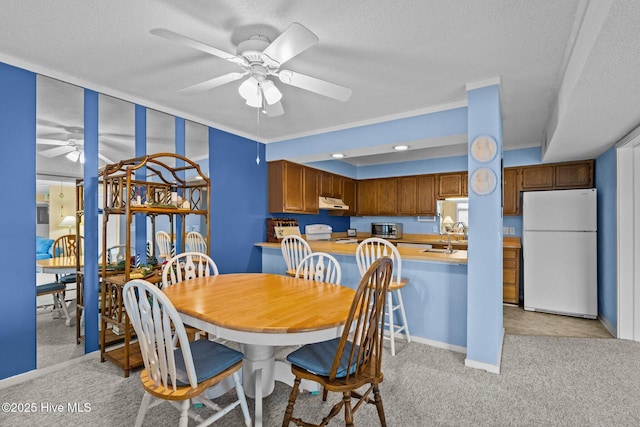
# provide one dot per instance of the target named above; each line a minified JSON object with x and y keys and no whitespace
{"x":138,"y":263}
{"x":68,"y":221}
{"x":174,"y":194}
{"x":138,"y":197}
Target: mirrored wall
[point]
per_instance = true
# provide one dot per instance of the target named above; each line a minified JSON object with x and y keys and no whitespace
{"x":59,"y":162}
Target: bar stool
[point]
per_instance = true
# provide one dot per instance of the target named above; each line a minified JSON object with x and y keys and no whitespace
{"x":294,"y":249}
{"x":366,"y":253}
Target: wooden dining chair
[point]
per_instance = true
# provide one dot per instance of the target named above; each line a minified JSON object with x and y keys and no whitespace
{"x":352,"y":361}
{"x":294,"y":248}
{"x":177,"y":370}
{"x":321,"y":267}
{"x":366,"y":253}
{"x":68,"y":245}
{"x":196,"y":243}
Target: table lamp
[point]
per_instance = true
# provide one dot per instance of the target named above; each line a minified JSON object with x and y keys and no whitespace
{"x":68,"y":221}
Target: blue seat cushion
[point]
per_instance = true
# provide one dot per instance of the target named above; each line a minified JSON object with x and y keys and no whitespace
{"x":67,"y":278}
{"x":45,"y":255}
{"x":49,"y":287}
{"x":318,"y":358}
{"x":209,"y":359}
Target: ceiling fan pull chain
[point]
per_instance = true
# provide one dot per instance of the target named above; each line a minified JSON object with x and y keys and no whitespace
{"x":257,"y":140}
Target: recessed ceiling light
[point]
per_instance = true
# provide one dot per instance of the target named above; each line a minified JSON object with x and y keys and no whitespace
{"x":401,"y":147}
{"x":337,"y":155}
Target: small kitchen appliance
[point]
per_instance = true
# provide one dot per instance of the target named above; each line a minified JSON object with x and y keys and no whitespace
{"x":386,"y":230}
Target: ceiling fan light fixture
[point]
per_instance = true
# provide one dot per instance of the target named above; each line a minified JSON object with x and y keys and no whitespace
{"x":248,"y":89}
{"x":74,"y":156}
{"x":270,"y":92}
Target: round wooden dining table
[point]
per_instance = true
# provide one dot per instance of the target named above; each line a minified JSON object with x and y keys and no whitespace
{"x":262,"y":311}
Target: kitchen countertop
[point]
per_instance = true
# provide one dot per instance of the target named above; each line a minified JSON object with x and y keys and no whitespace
{"x":459,"y":256}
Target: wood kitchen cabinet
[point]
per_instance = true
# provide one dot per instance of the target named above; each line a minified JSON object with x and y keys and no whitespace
{"x":511,"y":275}
{"x":292,"y":188}
{"x":511,"y":192}
{"x":557,"y":176}
{"x":349,"y":192}
{"x":367,"y":197}
{"x":387,"y":196}
{"x":408,"y":195}
{"x":574,"y":174}
{"x":540,"y":177}
{"x":427,"y":204}
{"x":451,"y":184}
{"x":417,"y":195}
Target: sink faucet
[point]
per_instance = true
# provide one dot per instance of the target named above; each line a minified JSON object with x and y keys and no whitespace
{"x":449,"y":247}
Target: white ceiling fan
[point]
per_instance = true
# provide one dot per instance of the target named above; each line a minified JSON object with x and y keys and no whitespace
{"x":72,"y":149}
{"x":260,"y":58}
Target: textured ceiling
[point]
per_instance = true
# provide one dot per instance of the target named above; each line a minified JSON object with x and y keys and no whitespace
{"x":568,"y":69}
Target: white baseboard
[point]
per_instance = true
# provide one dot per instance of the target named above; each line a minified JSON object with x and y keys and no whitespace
{"x":36,"y":373}
{"x":494,"y":369}
{"x":438,"y":344}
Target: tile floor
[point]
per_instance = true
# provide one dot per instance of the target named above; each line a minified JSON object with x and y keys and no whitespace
{"x":518,"y":321}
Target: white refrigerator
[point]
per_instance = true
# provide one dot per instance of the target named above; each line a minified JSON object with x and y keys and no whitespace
{"x":559,"y":249}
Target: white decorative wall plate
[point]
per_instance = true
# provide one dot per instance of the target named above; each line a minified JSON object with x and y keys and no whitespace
{"x":483,"y":181}
{"x":483,"y":148}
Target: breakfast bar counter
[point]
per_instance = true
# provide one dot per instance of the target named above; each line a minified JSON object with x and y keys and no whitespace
{"x":435,"y":297}
{"x":459,"y":256}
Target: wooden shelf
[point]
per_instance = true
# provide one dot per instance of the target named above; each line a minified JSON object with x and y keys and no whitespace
{"x":126,"y":196}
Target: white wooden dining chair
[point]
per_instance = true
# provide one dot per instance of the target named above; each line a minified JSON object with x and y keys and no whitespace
{"x":196,"y":243}
{"x":185,"y":266}
{"x":165,"y":245}
{"x":321,"y":267}
{"x":176,"y":370}
{"x":294,"y":249}
{"x":367,"y":252}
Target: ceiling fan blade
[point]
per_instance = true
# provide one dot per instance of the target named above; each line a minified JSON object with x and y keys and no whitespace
{"x":273,"y":110}
{"x":106,"y":159}
{"x":57,"y":151}
{"x":179,"y":38}
{"x":213,"y":83}
{"x":47,"y":141}
{"x":313,"y":84}
{"x":293,"y":41}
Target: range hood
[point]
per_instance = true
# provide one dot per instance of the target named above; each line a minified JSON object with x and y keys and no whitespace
{"x":332,"y":204}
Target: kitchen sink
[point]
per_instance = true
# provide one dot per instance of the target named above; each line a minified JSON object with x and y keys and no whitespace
{"x":437,"y":251}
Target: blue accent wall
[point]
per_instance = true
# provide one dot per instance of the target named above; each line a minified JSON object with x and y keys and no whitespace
{"x":238,"y":202}
{"x":606,"y":185}
{"x":18,"y":220}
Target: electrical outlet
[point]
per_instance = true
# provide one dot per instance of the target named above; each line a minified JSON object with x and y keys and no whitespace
{"x":505,"y":231}
{"x":435,"y":229}
{"x":512,"y":231}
